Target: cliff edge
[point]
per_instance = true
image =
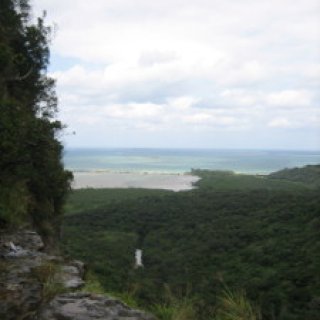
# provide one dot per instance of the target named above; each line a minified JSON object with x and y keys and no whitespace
{"x":35,"y":285}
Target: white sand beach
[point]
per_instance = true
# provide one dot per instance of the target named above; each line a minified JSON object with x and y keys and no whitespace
{"x":97,"y":180}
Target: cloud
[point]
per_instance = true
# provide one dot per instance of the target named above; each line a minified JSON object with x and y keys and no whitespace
{"x":290,"y":98}
{"x":282,"y":123}
{"x":209,"y":119}
{"x":151,"y":58}
{"x":183,"y":65}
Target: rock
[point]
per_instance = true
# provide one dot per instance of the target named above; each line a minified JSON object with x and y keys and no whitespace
{"x":79,"y":265}
{"x":20,"y":244}
{"x":20,"y":293}
{"x":20,"y":290}
{"x":24,"y":273}
{"x":70,"y":277}
{"x":86,"y":306}
{"x":16,"y":251}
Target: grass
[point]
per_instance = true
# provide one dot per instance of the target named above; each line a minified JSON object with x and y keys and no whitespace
{"x":175,"y":307}
{"x":47,"y":275}
{"x":234,"y":305}
{"x":182,"y":310}
{"x":93,"y":285}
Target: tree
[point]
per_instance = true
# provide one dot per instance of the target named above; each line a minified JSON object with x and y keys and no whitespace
{"x":33,"y":182}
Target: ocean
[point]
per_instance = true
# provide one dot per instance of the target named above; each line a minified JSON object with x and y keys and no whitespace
{"x":179,"y":161}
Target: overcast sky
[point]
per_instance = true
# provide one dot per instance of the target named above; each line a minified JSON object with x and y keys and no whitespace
{"x":187,"y":73}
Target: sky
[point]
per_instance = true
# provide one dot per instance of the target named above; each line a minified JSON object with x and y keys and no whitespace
{"x":187,"y":73}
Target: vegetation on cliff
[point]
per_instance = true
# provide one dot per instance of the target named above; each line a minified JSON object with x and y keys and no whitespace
{"x":33,"y":182}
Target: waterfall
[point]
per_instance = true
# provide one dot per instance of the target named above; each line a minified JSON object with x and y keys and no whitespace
{"x":138,"y":258}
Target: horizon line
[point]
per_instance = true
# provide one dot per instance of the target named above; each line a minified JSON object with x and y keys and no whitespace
{"x":188,"y":148}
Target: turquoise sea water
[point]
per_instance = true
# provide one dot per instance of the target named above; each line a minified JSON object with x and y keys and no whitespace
{"x":183,"y":160}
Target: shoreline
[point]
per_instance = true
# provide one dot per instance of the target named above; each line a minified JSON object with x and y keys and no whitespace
{"x":144,"y":172}
{"x":125,"y":180}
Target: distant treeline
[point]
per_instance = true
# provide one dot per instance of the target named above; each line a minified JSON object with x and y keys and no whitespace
{"x":308,"y":174}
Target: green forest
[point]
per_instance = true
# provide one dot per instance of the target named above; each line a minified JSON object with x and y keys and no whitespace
{"x":258,"y":235}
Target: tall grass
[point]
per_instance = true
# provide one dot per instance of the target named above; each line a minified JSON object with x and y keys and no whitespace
{"x":47,"y":275}
{"x":93,"y":285}
{"x":234,"y":305}
{"x":175,"y":307}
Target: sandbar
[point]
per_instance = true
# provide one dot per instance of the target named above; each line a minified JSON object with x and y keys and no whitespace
{"x":98,"y":180}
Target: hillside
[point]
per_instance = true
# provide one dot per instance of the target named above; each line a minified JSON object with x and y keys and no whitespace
{"x":309,"y":175}
{"x":253,"y":233}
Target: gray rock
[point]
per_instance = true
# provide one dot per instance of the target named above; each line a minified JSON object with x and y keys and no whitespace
{"x":86,"y":306}
{"x":79,"y":265}
{"x":70,"y":277}
{"x":20,"y":290}
{"x":21,"y":286}
{"x":20,"y":244}
{"x":20,"y":293}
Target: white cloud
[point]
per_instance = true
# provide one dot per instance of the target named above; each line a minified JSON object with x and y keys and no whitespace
{"x":282,"y":123}
{"x":185,"y":64}
{"x":290,"y":98}
{"x":182,"y":103}
{"x":133,"y":111}
{"x":209,"y":119}
{"x":240,"y":97}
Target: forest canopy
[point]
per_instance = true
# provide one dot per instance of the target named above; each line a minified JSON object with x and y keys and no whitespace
{"x":254,"y":233}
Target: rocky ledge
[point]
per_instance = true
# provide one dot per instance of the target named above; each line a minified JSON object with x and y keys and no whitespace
{"x":85,"y":306}
{"x":31,"y":282}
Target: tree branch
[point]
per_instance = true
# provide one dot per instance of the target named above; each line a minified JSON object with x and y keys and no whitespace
{"x":21,"y":78}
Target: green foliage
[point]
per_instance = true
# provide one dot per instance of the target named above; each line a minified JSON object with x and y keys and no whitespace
{"x":128,"y":297}
{"x":163,"y":311}
{"x":175,"y":307}
{"x":182,"y":310}
{"x":236,"y":306}
{"x":92,"y":284}
{"x":82,"y":200}
{"x":263,"y":238}
{"x":14,"y":200}
{"x":33,"y":183}
{"x":228,"y":180}
{"x":309,"y":175}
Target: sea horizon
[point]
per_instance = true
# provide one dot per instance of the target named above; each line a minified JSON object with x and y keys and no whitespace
{"x":183,"y":160}
{"x":189,"y":148}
